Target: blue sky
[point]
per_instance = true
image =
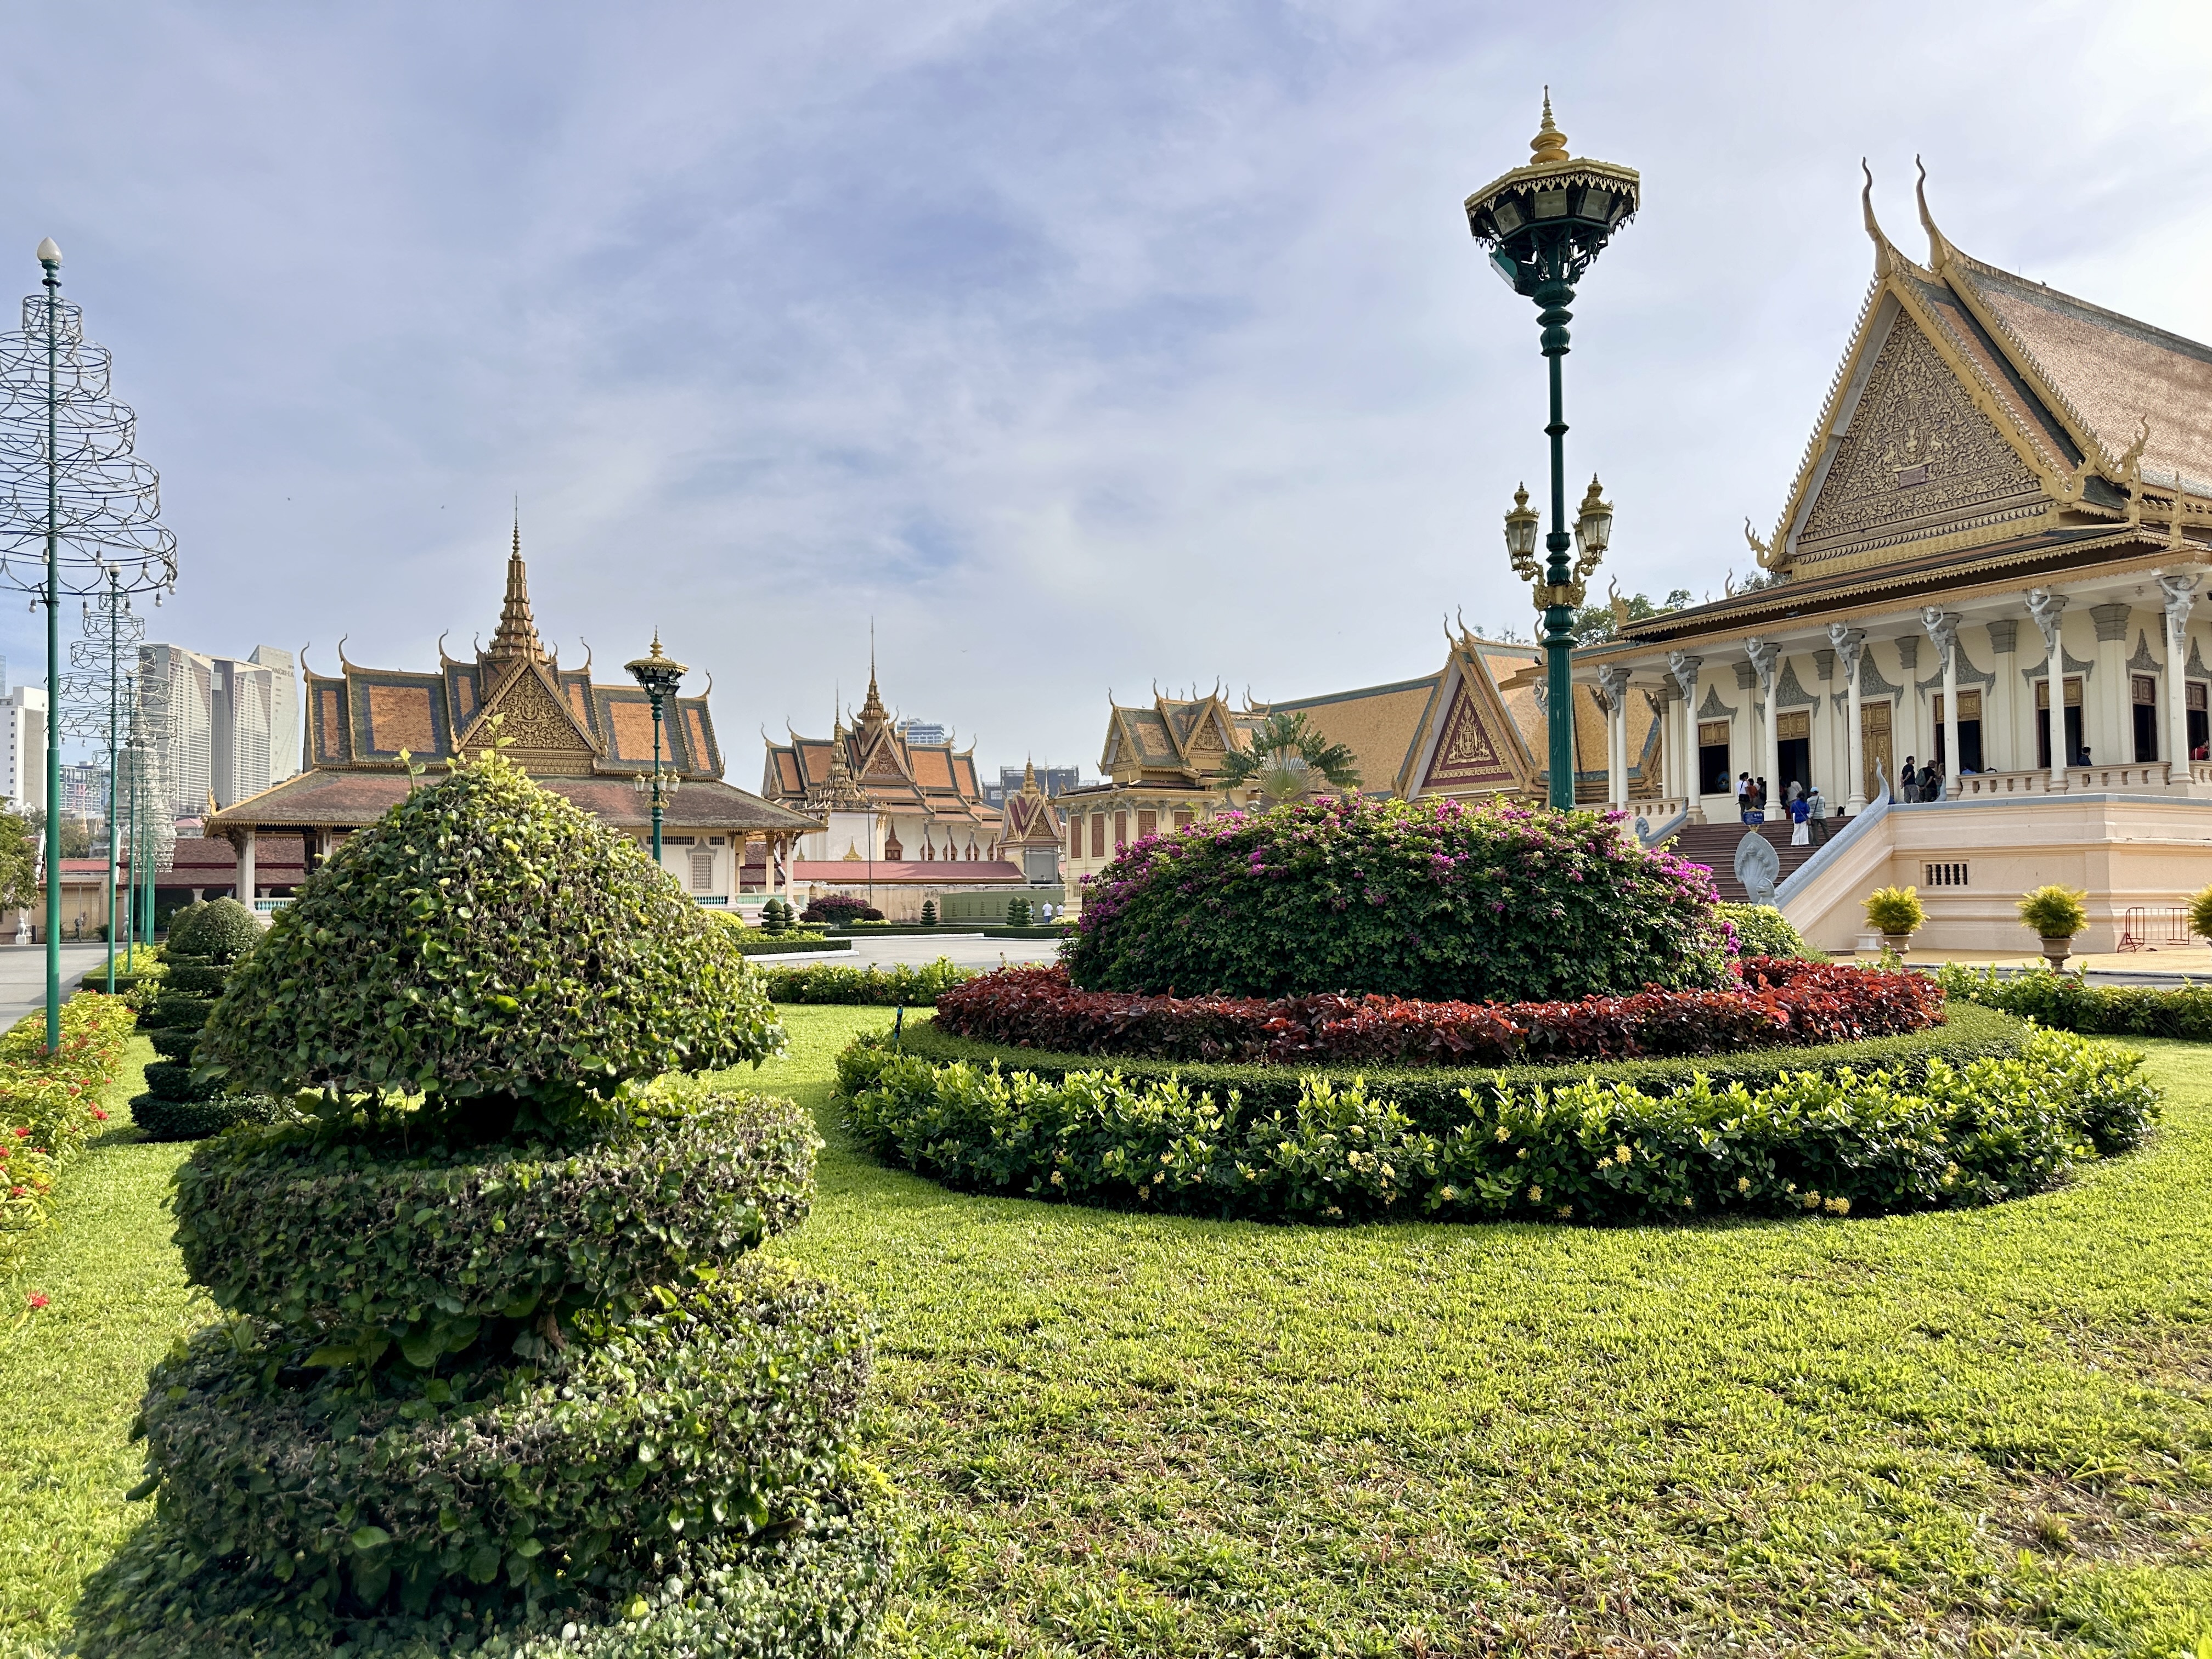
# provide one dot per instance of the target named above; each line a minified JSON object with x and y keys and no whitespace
{"x":1080,"y":345}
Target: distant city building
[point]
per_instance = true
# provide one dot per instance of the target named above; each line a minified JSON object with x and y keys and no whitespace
{"x":1052,"y":781}
{"x":84,"y":790}
{"x":922,"y":732}
{"x":232,"y":726}
{"x":23,"y":748}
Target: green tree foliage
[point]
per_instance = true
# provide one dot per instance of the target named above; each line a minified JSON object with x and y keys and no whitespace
{"x":491,"y":947}
{"x":1288,"y":758}
{"x":1595,"y":623}
{"x":1763,"y":931}
{"x":18,"y":862}
{"x":1429,"y":898}
{"x":1018,"y":912}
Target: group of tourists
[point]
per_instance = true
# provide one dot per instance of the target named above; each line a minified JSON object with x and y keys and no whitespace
{"x":1920,"y":783}
{"x":1807,"y":809}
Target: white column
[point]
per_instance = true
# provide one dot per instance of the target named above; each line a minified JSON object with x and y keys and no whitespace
{"x":2046,"y":606}
{"x":1943,"y":628}
{"x":246,"y":867}
{"x":1766,"y":663}
{"x":2180,"y":591}
{"x":1685,"y":668}
{"x":1612,"y":683}
{"x":1851,"y":645}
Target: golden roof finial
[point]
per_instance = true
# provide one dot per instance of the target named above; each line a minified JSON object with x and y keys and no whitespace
{"x":516,"y":637}
{"x":1549,"y":144}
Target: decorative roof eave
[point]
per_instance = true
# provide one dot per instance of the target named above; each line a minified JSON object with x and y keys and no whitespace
{"x":1729,"y":619}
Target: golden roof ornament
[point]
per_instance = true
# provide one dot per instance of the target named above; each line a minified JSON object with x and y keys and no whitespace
{"x":1549,"y":144}
{"x":516,"y":638}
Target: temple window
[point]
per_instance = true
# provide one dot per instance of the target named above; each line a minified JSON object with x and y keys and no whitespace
{"x":1121,"y":830}
{"x":1970,"y":733}
{"x":1184,"y":819}
{"x":702,"y":870}
{"x":2074,"y":747}
{"x":1098,"y":834}
{"x":1148,"y":824}
{"x":2200,"y":726}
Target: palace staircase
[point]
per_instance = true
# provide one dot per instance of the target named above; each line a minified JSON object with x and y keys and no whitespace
{"x":1714,"y":845}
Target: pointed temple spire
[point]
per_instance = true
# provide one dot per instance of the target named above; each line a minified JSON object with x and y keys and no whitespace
{"x":1549,"y":144}
{"x":1029,"y":777}
{"x":516,"y":640}
{"x":873,"y":715}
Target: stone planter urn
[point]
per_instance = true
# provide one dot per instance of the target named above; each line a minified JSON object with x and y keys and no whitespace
{"x":2056,"y":950}
{"x":1901,"y":942}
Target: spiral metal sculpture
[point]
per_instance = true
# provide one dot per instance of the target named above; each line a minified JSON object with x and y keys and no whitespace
{"x":106,"y":499}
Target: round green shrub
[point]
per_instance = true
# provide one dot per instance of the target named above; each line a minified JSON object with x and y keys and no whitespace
{"x":728,"y":1400}
{"x":487,"y":945}
{"x":195,"y":1119}
{"x":1763,"y":931}
{"x":419,"y":1257}
{"x":1894,"y":911}
{"x":222,"y":930}
{"x":1432,"y":899}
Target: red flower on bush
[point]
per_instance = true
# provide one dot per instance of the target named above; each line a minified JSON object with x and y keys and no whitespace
{"x":1779,"y":1003}
{"x":39,"y":1301}
{"x":101,"y":1115}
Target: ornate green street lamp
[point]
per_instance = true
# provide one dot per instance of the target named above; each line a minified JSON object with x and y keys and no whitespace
{"x":658,"y":675}
{"x":1543,"y":224}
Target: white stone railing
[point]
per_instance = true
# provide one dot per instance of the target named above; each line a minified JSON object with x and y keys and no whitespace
{"x":2081,"y":780}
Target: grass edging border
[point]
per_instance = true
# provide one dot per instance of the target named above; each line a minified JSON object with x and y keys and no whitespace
{"x":1430,"y":1094}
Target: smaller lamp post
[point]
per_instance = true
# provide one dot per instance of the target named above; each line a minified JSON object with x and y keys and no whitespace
{"x":657,"y":673}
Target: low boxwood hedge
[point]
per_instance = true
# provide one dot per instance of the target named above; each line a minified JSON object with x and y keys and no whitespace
{"x":195,"y":1119}
{"x":174,"y":1045}
{"x":2067,"y":1003}
{"x":899,"y":985}
{"x":1430,"y":1095}
{"x":1580,"y":1151}
{"x":175,"y":1013}
{"x":728,"y":1399}
{"x":169,"y":1079}
{"x":423,"y":1256}
{"x":197,"y":980}
{"x":753,"y":945}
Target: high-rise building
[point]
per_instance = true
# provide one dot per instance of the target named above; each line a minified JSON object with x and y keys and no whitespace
{"x":1055,"y":781}
{"x":924,"y":731}
{"x":84,"y":790}
{"x":232,"y":727}
{"x":23,"y":748}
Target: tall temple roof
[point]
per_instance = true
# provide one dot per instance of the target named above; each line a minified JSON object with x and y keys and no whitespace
{"x":873,"y":765}
{"x":365,"y":727}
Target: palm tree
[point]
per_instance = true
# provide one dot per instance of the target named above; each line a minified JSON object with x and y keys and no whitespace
{"x":1288,"y":760}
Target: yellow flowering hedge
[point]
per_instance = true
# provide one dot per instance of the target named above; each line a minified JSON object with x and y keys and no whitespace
{"x":50,"y":1104}
{"x":1839,"y":1143}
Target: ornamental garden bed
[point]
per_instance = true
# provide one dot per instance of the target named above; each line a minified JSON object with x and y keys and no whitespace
{"x":1776,"y":1002}
{"x":1914,"y":1134}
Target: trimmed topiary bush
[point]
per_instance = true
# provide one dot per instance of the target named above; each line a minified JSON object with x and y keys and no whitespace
{"x":1018,"y":912}
{"x":1431,"y":899}
{"x":897,"y":986}
{"x":496,"y":1374}
{"x":2055,"y":912}
{"x":929,"y":913}
{"x":494,"y":949}
{"x":1894,"y":912}
{"x":222,"y":930}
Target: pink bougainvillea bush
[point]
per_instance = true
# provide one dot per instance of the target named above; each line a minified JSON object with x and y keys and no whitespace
{"x":1431,"y":899}
{"x":1777,"y":1003}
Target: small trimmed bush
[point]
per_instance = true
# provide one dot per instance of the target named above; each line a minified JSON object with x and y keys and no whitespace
{"x":776,"y":917}
{"x":195,"y":1119}
{"x":840,"y":909}
{"x":2055,"y":912}
{"x":869,"y":988}
{"x":929,"y":913}
{"x":222,"y":930}
{"x":1582,"y":1151}
{"x":1432,"y":899}
{"x":1018,"y":912}
{"x":171,"y":1080}
{"x":495,"y":951}
{"x":1893,"y":911}
{"x":167,"y":1012}
{"x":1763,"y":931}
{"x":1779,"y":1001}
{"x":195,"y":980}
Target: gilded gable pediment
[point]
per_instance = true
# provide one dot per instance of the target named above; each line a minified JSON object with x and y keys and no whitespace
{"x":535,"y":724}
{"x":1918,"y":461}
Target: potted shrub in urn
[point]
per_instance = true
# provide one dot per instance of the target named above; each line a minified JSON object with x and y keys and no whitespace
{"x":1895,"y":913}
{"x":2057,"y":914}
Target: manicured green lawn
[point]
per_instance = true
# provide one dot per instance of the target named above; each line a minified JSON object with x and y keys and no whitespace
{"x":1120,"y":1435}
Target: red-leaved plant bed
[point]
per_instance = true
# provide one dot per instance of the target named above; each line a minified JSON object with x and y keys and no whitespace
{"x":1779,"y":1003}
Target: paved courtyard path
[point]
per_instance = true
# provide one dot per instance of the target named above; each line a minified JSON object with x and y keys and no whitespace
{"x":23,"y":975}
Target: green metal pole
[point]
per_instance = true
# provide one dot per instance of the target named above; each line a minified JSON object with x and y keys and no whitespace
{"x":656,"y":780}
{"x":114,"y":626}
{"x":53,"y":284}
{"x":1553,"y":294}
